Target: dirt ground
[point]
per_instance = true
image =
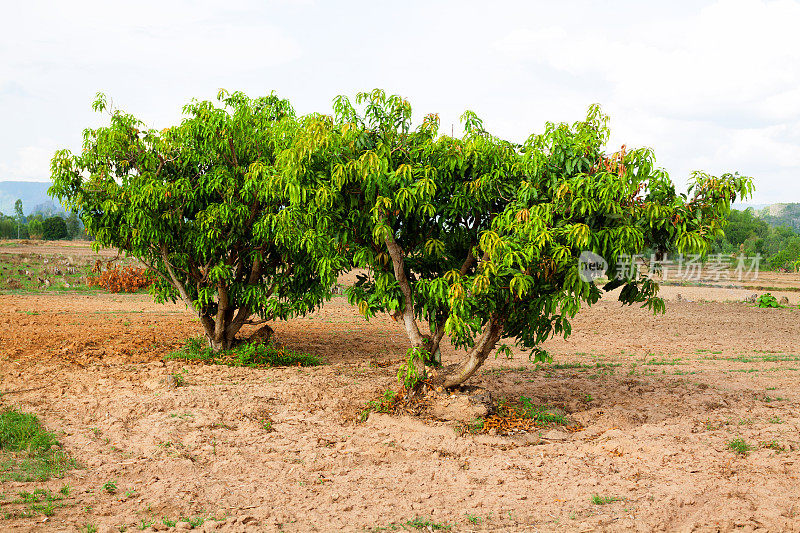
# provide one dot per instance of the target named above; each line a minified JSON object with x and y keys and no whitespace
{"x":654,"y":402}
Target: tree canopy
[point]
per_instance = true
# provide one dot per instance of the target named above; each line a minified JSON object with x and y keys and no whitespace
{"x":54,"y":229}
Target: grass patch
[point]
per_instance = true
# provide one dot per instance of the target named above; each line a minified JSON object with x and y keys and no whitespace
{"x":526,"y":409}
{"x":247,"y":355}
{"x":428,"y":525}
{"x":604,"y":500}
{"x":572,"y":366}
{"x":110,"y":487}
{"x":773,"y":445}
{"x":383,"y":404}
{"x":662,"y":362}
{"x":27,"y":449}
{"x":739,"y":446}
{"x":32,"y":504}
{"x":473,"y":427}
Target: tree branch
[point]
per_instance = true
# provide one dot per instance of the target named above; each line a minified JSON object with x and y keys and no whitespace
{"x":475,"y":358}
{"x":208,"y":324}
{"x":398,"y":263}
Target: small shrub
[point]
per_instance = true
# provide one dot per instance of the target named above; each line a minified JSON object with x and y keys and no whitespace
{"x":121,"y":279}
{"x":384,"y":404}
{"x":767,"y":300}
{"x":110,"y":487}
{"x":178,"y":379}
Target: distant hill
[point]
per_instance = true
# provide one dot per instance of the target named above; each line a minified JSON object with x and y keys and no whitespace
{"x":33,"y":195}
{"x":781,"y":215}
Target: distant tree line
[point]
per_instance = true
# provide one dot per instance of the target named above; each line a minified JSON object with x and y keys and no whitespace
{"x":38,"y":226}
{"x":747,"y":234}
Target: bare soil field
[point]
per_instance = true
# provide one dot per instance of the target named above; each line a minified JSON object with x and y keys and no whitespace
{"x":653,"y":405}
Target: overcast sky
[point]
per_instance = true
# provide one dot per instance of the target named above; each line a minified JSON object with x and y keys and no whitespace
{"x":709,"y":85}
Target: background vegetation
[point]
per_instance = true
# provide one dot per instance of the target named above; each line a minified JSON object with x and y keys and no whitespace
{"x":40,"y":225}
{"x":749,"y":234}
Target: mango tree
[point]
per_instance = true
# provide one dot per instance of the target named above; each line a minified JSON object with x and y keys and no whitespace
{"x":194,"y":203}
{"x":479,"y":239}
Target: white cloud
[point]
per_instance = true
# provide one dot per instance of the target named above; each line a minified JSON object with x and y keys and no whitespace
{"x":717,"y":89}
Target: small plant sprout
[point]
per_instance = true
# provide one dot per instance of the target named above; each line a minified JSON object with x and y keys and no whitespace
{"x":739,"y":446}
{"x":604,"y":500}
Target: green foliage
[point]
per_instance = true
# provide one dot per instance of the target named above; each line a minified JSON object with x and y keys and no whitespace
{"x":748,"y":234}
{"x":54,"y":229}
{"x":22,"y":432}
{"x":36,"y":229}
{"x":73,"y":225}
{"x":739,"y":446}
{"x":428,"y":525}
{"x":178,"y":379}
{"x":409,"y":374}
{"x":194,"y":522}
{"x":475,"y":426}
{"x":27,"y":449}
{"x":245,"y":210}
{"x":247,"y":354}
{"x":110,"y":487}
{"x":604,"y":500}
{"x":384,"y":404}
{"x":205,"y":204}
{"x":767,"y":300}
{"x":33,"y":504}
{"x":8,"y":228}
{"x":525,"y":408}
{"x":473,"y":519}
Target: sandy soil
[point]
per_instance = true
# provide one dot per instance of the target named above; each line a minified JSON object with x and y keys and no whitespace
{"x":658,"y":400}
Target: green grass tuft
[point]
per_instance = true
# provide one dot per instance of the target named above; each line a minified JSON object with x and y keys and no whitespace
{"x":22,"y":432}
{"x":247,"y":355}
{"x":739,"y":446}
{"x":27,"y":449}
{"x":525,"y":408}
{"x":384,"y":404}
{"x":604,"y":500}
{"x":428,"y":524}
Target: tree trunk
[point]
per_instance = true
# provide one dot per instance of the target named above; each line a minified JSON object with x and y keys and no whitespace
{"x":478,"y":354}
{"x":221,"y":329}
{"x":418,"y":341}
